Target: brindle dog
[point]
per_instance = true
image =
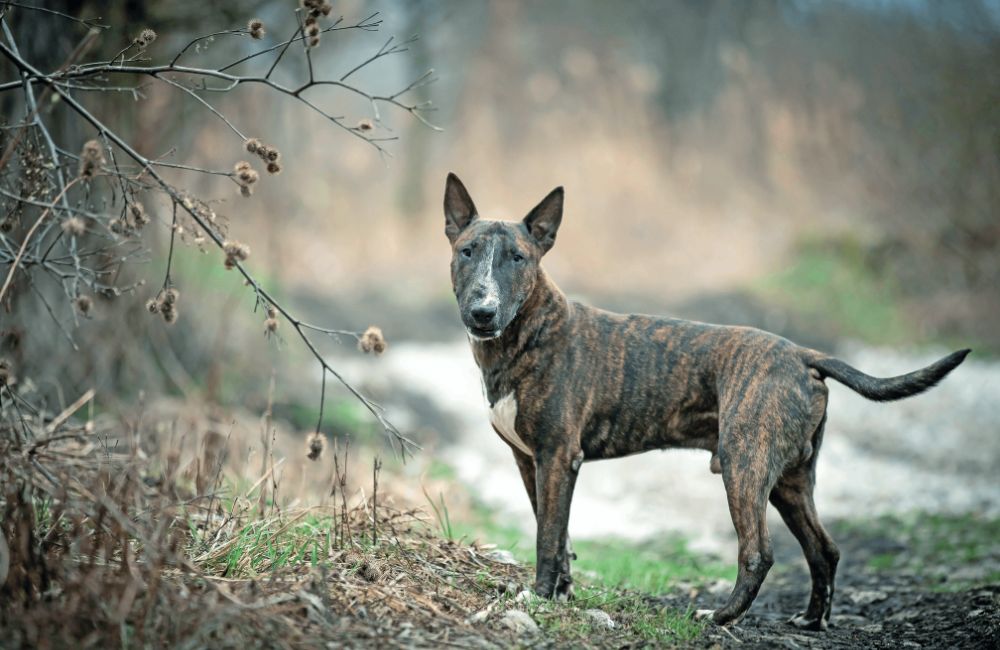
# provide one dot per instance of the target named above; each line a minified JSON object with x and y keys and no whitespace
{"x":569,"y":383}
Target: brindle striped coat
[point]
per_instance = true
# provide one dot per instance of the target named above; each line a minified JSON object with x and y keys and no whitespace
{"x":569,"y":383}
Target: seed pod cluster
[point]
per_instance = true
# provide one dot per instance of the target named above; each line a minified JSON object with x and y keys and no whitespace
{"x":145,"y":38}
{"x":91,"y":158}
{"x":372,"y":341}
{"x":83,"y":304}
{"x":314,"y":9}
{"x":235,"y":252}
{"x":131,"y":221}
{"x":138,"y":213}
{"x":267,"y":153}
{"x":74,"y":226}
{"x":165,"y":304}
{"x":245,"y":176}
{"x":315,"y":443}
{"x":271,"y":322}
{"x":256,"y":28}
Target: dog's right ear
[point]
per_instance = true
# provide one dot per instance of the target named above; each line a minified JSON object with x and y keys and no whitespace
{"x":459,"y":210}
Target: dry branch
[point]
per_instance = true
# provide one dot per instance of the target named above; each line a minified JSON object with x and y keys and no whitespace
{"x":36,"y":173}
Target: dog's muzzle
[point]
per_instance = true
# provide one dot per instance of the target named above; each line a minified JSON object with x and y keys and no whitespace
{"x":482,"y":321}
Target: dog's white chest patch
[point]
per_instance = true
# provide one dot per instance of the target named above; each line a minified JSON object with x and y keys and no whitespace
{"x":503,"y":414}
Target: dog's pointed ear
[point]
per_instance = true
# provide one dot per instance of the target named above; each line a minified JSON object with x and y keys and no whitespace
{"x":543,"y":222}
{"x":459,"y":210}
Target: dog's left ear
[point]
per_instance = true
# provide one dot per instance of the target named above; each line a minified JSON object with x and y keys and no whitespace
{"x":543,"y":221}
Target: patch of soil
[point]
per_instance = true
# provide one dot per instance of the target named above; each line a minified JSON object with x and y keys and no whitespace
{"x":873,"y":608}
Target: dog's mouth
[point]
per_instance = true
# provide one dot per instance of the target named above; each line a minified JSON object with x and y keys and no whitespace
{"x":478,"y":334}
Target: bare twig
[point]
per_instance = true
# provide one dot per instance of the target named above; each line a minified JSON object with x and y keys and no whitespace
{"x":63,"y":258}
{"x":27,"y":238}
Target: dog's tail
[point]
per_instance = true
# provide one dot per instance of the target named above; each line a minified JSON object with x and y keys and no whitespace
{"x":889,"y":388}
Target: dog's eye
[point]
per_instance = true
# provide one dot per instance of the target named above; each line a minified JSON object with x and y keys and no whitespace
{"x":518,"y":257}
{"x":467,"y":252}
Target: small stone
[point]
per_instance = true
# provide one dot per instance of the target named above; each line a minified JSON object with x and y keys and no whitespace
{"x":905,"y":615}
{"x":599,"y":618}
{"x":853,"y":620}
{"x":804,"y":640}
{"x":911,"y":644}
{"x":867,"y":597}
{"x":479,"y":616}
{"x":874,"y":628}
{"x":501,"y":556}
{"x":519,"y":622}
{"x":526,"y":596}
{"x":974,"y":613}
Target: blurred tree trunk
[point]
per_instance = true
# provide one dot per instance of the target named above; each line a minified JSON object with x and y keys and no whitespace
{"x":411,"y":195}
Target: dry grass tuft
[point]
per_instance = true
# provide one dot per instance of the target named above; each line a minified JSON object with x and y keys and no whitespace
{"x":116,"y":540}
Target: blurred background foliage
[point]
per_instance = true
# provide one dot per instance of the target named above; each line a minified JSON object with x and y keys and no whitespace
{"x":828,"y":170}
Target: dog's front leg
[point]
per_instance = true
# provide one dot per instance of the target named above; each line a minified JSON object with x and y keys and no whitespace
{"x":555,"y":477}
{"x":526,"y":465}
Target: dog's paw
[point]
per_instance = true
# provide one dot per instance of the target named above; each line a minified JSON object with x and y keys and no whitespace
{"x":545,"y":590}
{"x":801,"y":621}
{"x":564,"y":594}
{"x":714,"y":614}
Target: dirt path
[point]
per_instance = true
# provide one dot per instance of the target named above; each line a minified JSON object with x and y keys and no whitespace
{"x":929,"y":605}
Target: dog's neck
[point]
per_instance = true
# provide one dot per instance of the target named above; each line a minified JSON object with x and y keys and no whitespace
{"x":525,"y":343}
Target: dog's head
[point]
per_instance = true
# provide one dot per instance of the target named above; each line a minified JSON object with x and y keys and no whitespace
{"x":495,"y":264}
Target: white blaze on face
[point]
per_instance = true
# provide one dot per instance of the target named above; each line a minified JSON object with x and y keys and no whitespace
{"x":503,"y":414}
{"x":485,"y":279}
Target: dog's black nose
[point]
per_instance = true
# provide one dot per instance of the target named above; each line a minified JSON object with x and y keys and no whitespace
{"x":483,"y":315}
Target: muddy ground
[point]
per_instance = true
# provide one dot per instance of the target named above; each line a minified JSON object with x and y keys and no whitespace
{"x":944,"y":603}
{"x":914,"y":583}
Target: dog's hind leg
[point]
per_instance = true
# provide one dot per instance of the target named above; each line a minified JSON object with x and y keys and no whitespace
{"x":747,"y":486}
{"x":795,"y":503}
{"x":793,"y":497}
